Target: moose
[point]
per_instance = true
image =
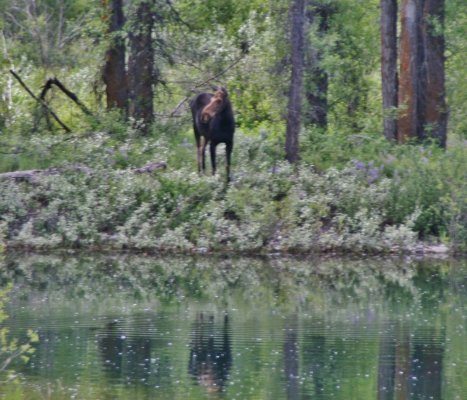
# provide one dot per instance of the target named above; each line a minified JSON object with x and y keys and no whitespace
{"x":213,"y":123}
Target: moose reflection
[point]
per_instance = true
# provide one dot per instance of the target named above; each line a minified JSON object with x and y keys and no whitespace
{"x":410,"y":366}
{"x":210,"y":354}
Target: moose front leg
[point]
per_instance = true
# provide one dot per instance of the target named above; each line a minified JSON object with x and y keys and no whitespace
{"x":228,"y":153}
{"x":201,"y":152}
{"x":198,"y":153}
{"x":212,"y":149}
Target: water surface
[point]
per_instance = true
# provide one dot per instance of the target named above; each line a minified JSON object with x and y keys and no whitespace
{"x":211,"y":328}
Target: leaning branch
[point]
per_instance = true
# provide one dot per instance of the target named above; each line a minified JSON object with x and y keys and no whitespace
{"x":235,"y":62}
{"x":177,"y":15}
{"x":71,"y":95}
{"x":40,"y":101}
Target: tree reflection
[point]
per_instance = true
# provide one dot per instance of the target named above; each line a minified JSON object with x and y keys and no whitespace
{"x":316,"y":362}
{"x":386,"y":362}
{"x":401,"y":362}
{"x":427,"y":366}
{"x":291,"y":358}
{"x":210,"y":353}
{"x":411,"y":354}
{"x":410,"y":363}
{"x":428,"y":339}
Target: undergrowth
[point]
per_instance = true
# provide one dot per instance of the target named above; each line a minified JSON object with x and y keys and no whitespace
{"x":348,"y":193}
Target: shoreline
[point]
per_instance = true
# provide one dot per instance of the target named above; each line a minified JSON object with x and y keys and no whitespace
{"x":421,"y":251}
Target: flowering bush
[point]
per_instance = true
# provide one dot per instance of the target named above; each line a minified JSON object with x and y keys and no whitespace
{"x":272,"y":210}
{"x":359,"y":205}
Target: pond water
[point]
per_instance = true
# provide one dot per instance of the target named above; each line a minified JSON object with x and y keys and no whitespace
{"x":134,"y":327}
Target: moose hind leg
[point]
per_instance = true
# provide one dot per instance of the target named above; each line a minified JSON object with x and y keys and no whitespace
{"x":198,"y":154}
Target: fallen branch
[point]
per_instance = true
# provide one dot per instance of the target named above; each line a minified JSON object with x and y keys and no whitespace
{"x":151,"y":167}
{"x":40,"y":101}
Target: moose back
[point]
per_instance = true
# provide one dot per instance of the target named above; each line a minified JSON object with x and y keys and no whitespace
{"x":213,"y":123}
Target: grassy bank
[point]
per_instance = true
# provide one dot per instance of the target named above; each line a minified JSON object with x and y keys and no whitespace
{"x":349,"y":194}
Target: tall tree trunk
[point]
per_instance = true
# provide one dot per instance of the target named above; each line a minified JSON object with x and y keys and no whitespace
{"x":297,"y":19}
{"x":421,"y":86}
{"x":114,"y":74}
{"x":389,"y":66}
{"x":409,"y":124}
{"x":316,"y":78}
{"x":436,"y":115}
{"x":141,"y":65}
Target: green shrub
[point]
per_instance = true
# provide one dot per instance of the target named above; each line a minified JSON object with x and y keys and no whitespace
{"x":355,"y":193}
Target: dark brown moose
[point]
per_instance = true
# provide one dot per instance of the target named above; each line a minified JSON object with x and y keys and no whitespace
{"x":213,"y":123}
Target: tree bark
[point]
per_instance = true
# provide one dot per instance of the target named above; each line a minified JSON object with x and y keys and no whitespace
{"x":421,"y":87}
{"x":389,"y":75}
{"x":297,"y":17}
{"x":436,"y":115}
{"x":114,"y":73}
{"x":409,"y":124}
{"x":141,"y":66}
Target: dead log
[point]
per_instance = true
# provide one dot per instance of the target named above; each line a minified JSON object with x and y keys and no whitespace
{"x":151,"y":167}
{"x":28,"y":175}
{"x":33,"y":174}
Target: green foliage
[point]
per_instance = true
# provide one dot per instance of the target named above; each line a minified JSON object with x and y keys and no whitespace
{"x":260,"y":211}
{"x":351,"y":55}
{"x":325,"y":150}
{"x":453,"y":199}
{"x":46,"y":31}
{"x":379,"y":198}
{"x":10,"y":348}
{"x":456,"y":59}
{"x":352,"y":190}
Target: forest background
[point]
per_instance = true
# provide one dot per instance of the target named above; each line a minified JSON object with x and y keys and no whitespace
{"x":318,"y":165}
